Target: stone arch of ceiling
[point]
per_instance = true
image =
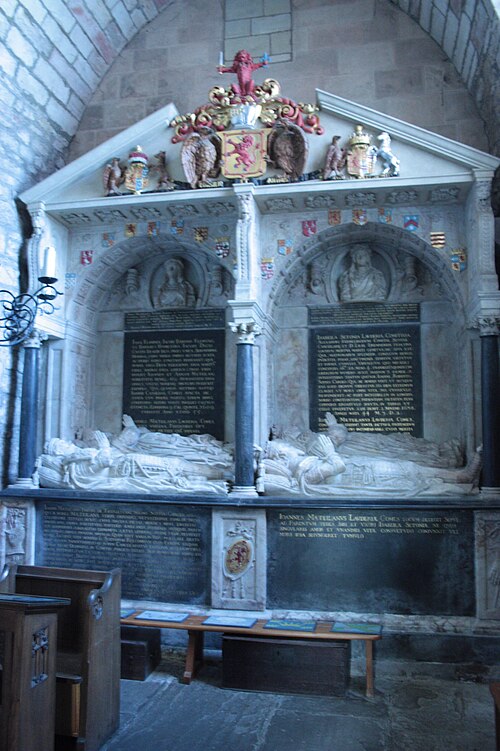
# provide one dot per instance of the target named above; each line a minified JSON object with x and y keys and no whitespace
{"x":381,"y":236}
{"x":452,"y":24}
{"x":92,"y":290}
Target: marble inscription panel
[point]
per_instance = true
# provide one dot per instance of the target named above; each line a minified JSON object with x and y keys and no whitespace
{"x":392,"y":561}
{"x":160,"y":320}
{"x":370,"y":378}
{"x":163,"y":551}
{"x":174,"y":381}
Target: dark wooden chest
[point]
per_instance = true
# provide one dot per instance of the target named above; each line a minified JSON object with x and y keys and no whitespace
{"x":141,"y":651}
{"x":294,"y":666}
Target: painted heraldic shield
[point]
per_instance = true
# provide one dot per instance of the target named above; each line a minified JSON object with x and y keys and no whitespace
{"x":243,"y":153}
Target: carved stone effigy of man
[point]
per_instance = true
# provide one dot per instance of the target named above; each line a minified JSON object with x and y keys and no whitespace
{"x":361,"y":281}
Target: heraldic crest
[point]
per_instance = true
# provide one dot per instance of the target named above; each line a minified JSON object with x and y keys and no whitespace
{"x":242,"y":131}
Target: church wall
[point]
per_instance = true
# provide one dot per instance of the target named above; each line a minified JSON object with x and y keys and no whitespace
{"x":368,"y":51}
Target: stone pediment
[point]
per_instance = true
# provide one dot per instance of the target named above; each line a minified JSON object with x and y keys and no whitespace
{"x":433,"y":170}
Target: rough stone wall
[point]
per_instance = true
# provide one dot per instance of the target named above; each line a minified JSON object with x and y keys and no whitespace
{"x":366,"y":50}
{"x":468,"y":31}
{"x":52,"y":56}
{"x":85,"y":67}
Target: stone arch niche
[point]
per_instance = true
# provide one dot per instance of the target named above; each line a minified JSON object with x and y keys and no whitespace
{"x":141,"y":289}
{"x":349,"y":351}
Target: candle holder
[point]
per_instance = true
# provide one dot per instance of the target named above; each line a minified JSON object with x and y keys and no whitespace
{"x":18,"y":312}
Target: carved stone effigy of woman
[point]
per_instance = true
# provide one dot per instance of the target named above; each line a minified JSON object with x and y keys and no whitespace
{"x":175,"y":291}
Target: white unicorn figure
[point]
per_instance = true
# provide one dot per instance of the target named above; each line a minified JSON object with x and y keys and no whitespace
{"x":390,"y":162}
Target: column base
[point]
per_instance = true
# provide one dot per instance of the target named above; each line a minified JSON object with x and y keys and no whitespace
{"x":487,"y":492}
{"x":244,"y":490}
{"x":24,"y":482}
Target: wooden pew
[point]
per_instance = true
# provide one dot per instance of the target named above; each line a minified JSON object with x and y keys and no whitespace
{"x":88,"y":647}
{"x":28,"y":636}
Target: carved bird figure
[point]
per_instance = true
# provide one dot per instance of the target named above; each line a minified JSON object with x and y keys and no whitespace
{"x":112,"y":177}
{"x":164,"y":181}
{"x":287,"y":148}
{"x":334,"y":160}
{"x":200,"y":156}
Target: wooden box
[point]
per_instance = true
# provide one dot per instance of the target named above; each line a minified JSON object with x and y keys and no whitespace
{"x":285,"y":665}
{"x":141,"y":651}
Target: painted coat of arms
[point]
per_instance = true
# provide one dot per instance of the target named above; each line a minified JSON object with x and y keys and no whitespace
{"x":285,"y":247}
{"x":243,"y":153}
{"x":222,"y":246}
{"x":86,"y":257}
{"x":361,"y":155}
{"x":136,"y":174}
{"x":309,"y":227}
{"x":267,"y":268}
{"x":238,"y":558}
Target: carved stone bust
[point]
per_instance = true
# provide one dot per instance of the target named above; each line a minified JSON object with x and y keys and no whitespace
{"x":361,"y":280}
{"x":175,"y":291}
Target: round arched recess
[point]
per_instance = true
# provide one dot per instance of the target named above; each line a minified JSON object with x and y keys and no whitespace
{"x":387,"y":241}
{"x":93,"y":290}
{"x":306,"y":306}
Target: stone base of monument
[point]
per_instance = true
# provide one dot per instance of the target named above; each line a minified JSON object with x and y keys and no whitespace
{"x":140,"y":652}
{"x":293,"y":666}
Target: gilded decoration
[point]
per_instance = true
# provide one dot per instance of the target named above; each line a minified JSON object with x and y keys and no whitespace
{"x":242,"y":132}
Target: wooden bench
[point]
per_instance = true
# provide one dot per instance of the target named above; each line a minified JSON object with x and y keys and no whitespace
{"x":88,"y":647}
{"x":195,"y":626}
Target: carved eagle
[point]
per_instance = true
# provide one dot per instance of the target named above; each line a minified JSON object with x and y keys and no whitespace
{"x":287,"y":148}
{"x":200,"y":156}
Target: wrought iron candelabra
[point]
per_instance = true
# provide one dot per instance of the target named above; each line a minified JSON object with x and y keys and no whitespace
{"x":18,"y":312}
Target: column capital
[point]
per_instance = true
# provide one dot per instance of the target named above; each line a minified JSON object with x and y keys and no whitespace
{"x":246,"y":331}
{"x":38,"y":216}
{"x":488,"y":325}
{"x":249,"y":320}
{"x":35,"y":339}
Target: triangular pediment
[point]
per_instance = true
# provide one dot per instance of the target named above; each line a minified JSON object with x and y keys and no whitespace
{"x":428,"y":163}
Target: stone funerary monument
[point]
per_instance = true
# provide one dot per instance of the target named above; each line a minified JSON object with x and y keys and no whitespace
{"x":272,"y":380}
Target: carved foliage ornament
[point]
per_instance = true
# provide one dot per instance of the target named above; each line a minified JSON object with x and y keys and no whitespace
{"x":487,"y":325}
{"x":246,"y":331}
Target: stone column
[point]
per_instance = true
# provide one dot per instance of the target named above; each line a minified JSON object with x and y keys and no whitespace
{"x":29,"y":410}
{"x":490,"y":400}
{"x":244,"y":412}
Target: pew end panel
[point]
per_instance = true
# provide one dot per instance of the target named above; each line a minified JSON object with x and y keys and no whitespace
{"x":88,"y":647}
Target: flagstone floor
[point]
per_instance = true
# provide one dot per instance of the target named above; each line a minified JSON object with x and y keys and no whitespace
{"x":410,"y":712}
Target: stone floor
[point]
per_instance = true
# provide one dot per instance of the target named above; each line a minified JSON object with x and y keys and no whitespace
{"x":410,"y":712}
